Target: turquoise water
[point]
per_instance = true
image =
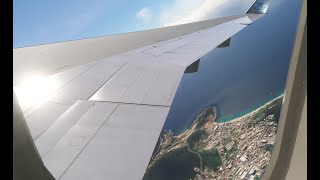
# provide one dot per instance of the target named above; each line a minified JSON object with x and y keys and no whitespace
{"x":253,"y":108}
{"x":236,"y":115}
{"x":244,"y":76}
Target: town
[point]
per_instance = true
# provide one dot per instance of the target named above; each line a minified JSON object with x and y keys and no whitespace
{"x":244,"y":148}
{"x":234,"y":150}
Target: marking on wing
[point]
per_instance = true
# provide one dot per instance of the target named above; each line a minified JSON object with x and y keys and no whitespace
{"x":90,"y":139}
{"x":108,"y":80}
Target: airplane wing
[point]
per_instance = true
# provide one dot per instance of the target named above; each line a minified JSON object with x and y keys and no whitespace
{"x":95,"y":120}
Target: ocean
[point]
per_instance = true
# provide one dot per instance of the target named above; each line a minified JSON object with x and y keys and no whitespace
{"x":242,"y":77}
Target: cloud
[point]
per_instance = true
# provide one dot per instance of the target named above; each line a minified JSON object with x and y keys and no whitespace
{"x":144,"y":15}
{"x":186,"y":11}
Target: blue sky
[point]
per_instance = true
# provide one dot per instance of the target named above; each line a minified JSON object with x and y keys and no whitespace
{"x":47,"y":21}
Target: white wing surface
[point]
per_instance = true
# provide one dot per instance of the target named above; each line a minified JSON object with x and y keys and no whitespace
{"x":104,"y":117}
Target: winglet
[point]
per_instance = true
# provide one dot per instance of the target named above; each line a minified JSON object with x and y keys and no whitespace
{"x":259,"y":7}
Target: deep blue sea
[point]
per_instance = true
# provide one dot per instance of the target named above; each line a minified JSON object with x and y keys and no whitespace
{"x":243,"y":76}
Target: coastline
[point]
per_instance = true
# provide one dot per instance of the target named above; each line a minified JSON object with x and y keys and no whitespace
{"x":250,"y":114}
{"x":204,"y":127}
{"x":204,"y":130}
{"x":235,"y":119}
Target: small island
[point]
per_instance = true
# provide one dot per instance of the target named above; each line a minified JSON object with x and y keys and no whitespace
{"x":238,"y":149}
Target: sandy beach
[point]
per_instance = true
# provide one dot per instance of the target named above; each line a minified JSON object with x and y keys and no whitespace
{"x":246,"y":116}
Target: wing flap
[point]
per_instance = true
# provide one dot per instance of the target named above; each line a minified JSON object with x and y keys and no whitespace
{"x":103,"y":134}
{"x":69,"y":146}
{"x":44,"y":117}
{"x":87,"y":83}
{"x":52,"y":135}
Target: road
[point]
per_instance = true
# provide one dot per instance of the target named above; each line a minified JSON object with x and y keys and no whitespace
{"x":223,"y":164}
{"x":197,"y":155}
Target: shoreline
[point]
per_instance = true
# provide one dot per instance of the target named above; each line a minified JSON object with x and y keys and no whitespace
{"x":250,"y":113}
{"x":247,"y":115}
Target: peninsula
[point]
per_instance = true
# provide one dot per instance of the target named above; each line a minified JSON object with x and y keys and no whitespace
{"x":238,"y":149}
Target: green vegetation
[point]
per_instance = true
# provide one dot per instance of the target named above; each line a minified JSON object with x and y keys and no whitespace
{"x":260,"y":115}
{"x":235,"y":133}
{"x":211,"y":159}
{"x":195,"y":138}
{"x":226,"y":140}
{"x":269,"y":147}
{"x":232,"y":150}
{"x":276,"y":109}
{"x":202,"y":118}
{"x":272,"y":108}
{"x":176,"y":164}
{"x":250,"y":123}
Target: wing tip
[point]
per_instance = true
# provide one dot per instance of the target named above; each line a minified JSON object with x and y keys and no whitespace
{"x":259,"y":7}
